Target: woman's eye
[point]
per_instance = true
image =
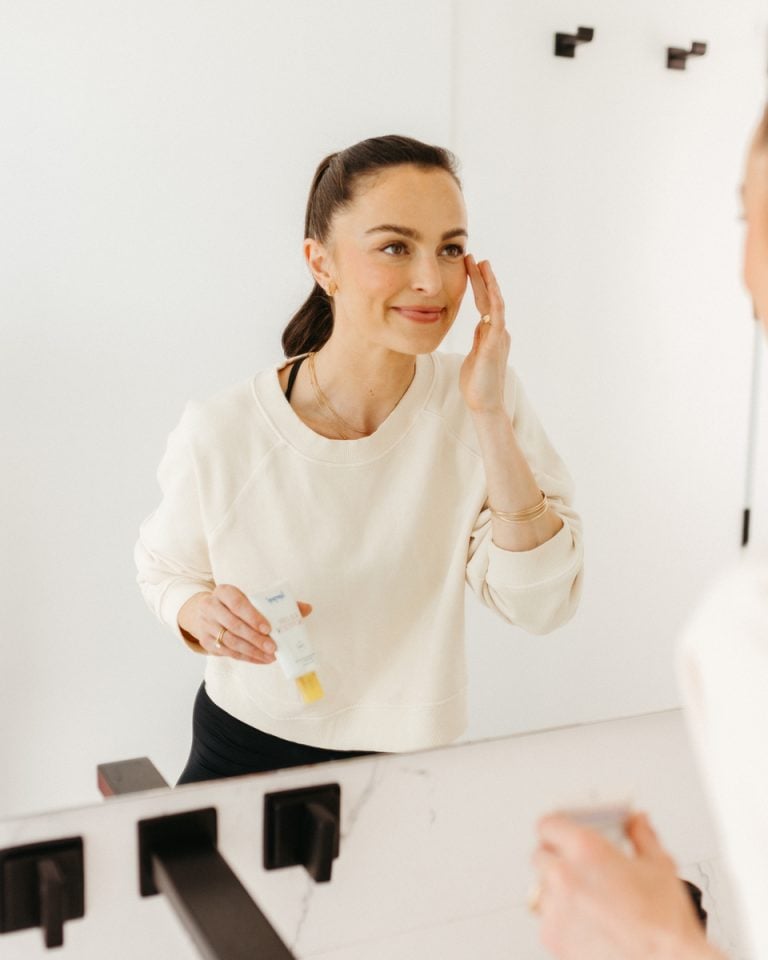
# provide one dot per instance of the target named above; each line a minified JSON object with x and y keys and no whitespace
{"x":395,"y":243}
{"x":397,"y":248}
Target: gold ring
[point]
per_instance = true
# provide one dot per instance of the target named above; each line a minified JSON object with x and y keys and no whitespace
{"x":217,"y":643}
{"x":486,"y":318}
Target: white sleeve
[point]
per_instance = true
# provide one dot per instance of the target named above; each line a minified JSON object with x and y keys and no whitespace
{"x":172,"y":550}
{"x":723,"y":673}
{"x":537,"y":589}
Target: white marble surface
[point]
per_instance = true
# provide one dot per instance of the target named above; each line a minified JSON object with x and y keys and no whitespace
{"x":435,"y":847}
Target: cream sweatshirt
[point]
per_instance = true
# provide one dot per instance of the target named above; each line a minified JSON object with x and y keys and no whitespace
{"x":379,"y":534}
{"x":723,"y":672}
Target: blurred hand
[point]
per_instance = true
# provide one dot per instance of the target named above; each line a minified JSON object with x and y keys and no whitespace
{"x":246,"y":636}
{"x":597,"y":903}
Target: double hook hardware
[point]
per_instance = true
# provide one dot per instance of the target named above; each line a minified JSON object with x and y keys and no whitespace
{"x":677,"y":57}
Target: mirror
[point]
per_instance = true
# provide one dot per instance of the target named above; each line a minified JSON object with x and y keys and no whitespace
{"x":156,"y":166}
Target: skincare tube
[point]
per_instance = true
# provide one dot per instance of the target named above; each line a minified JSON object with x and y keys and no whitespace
{"x":294,"y":652}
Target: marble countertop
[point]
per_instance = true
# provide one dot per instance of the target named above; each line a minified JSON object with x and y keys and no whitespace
{"x":435,"y":847}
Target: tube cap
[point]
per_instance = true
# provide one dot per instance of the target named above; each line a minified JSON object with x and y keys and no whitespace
{"x":309,"y":687}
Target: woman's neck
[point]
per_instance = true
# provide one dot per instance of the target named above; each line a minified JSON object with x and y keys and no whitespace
{"x":359,"y":386}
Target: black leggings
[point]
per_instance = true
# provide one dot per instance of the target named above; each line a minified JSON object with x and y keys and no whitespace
{"x":223,"y":746}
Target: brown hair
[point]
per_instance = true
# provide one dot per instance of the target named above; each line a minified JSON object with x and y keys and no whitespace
{"x":333,"y":188}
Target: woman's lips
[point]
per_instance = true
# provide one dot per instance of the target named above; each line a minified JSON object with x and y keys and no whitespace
{"x":420,"y":315}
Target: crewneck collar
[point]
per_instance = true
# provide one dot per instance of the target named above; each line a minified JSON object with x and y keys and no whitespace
{"x":270,"y":397}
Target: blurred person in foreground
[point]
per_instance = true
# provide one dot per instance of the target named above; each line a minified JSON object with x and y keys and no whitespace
{"x":595,"y":902}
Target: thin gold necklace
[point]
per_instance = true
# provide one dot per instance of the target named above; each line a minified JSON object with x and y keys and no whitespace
{"x":323,"y":401}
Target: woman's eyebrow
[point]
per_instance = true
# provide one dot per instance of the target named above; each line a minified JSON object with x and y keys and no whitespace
{"x":414,"y":234}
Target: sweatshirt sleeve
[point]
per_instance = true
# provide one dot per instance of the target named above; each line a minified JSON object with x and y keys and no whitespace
{"x":537,"y":590}
{"x":722,"y":667}
{"x":172,"y":550}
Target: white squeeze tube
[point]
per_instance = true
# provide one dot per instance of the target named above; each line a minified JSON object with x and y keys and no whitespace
{"x":294,"y":651}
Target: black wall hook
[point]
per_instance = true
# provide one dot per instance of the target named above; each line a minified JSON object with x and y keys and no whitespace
{"x":566,"y":43}
{"x":677,"y":57}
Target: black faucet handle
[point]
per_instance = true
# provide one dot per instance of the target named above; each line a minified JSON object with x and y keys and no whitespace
{"x":321,"y":840}
{"x":302,"y":827}
{"x":42,"y":885}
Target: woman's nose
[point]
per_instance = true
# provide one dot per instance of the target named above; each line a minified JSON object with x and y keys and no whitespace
{"x":427,"y":275}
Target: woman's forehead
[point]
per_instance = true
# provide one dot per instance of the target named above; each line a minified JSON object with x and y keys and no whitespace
{"x":408,"y":193}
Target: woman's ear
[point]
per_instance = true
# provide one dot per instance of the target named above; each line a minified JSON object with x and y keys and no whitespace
{"x":319,"y":262}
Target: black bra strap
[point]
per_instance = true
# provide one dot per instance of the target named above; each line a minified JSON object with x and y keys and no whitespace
{"x":292,"y":377}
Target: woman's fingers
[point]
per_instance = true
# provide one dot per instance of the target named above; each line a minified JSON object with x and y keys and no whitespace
{"x":223,"y":616}
{"x":237,"y":602}
{"x":479,"y":289}
{"x":644,"y":838}
{"x":246,"y":631}
{"x":496,"y":309}
{"x":486,"y":290}
{"x":492,"y":287}
{"x":564,"y":835}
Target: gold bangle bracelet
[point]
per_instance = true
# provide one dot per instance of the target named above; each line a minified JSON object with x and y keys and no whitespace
{"x":523,"y":516}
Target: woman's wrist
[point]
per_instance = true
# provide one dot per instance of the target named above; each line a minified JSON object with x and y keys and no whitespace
{"x":188,"y":621}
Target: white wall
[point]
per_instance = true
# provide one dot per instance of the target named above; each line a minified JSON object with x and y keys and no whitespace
{"x":154,"y":166}
{"x":604,"y":188}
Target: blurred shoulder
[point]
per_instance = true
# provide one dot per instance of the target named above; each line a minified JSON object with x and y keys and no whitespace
{"x":730,"y":621}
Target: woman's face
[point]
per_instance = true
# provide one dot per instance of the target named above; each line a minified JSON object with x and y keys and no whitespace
{"x":755,"y":197}
{"x":397,"y":256}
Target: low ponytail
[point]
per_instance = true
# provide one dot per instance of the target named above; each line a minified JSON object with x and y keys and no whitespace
{"x":310,"y":326}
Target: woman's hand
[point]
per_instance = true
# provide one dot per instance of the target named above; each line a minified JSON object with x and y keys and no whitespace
{"x":484,"y":370}
{"x":246,"y":631}
{"x":596,"y":903}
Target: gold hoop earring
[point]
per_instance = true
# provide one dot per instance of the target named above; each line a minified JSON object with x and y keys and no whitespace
{"x":332,"y":288}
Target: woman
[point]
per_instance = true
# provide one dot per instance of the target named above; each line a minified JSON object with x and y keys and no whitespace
{"x":372,"y":473}
{"x":594,"y":901}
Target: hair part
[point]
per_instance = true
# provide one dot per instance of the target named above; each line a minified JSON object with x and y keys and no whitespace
{"x":334,"y":187}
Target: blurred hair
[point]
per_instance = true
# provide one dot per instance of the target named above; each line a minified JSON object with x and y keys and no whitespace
{"x":761,"y":135}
